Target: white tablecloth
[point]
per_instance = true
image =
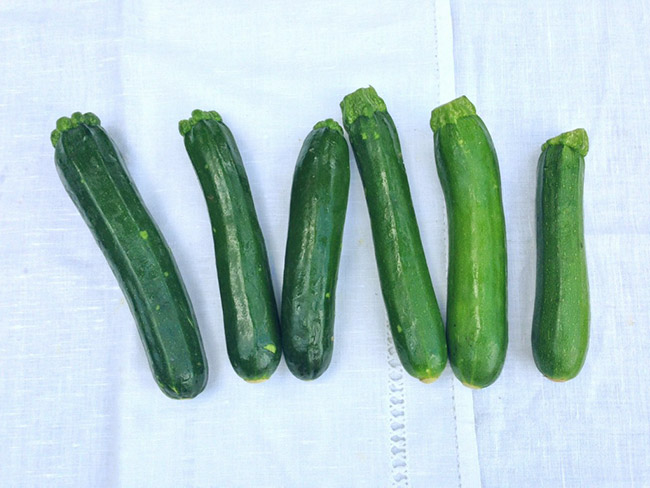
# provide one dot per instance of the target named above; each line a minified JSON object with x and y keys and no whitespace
{"x":535,"y":69}
{"x":80,"y":407}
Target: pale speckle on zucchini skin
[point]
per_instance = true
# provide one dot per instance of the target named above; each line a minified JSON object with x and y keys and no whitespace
{"x":144,"y":234}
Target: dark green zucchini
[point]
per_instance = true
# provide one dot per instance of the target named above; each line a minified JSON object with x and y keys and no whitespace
{"x":477,"y":326}
{"x":96,"y":179}
{"x":413,"y":313}
{"x":249,"y":308}
{"x":560,"y":336}
{"x":319,"y":198}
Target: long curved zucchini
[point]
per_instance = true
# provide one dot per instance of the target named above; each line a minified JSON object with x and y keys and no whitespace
{"x":249,"y":308}
{"x":319,"y":198}
{"x":413,"y":313}
{"x":560,"y":336}
{"x":96,"y":179}
{"x":477,"y":330}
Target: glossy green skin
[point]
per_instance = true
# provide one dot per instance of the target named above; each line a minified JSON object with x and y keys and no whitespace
{"x":560,"y":336}
{"x":247,"y":299}
{"x":477,"y":327}
{"x":413,"y":312}
{"x":319,"y":199}
{"x":96,"y":179}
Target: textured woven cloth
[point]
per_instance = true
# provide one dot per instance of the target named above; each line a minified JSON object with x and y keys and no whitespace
{"x":80,"y":406}
{"x":534,"y":70}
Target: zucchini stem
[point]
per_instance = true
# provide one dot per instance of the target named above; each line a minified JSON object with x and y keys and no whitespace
{"x":450,"y":112}
{"x":363,"y":101}
{"x":576,"y":139}
{"x":329,"y":124}
{"x":184,"y":126}
{"x":75,"y":120}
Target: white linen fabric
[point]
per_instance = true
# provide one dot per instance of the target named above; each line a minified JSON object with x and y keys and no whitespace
{"x":534,"y":70}
{"x":80,"y":406}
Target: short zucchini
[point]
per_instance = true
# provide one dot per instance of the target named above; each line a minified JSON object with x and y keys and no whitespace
{"x":247,"y":299}
{"x":560,"y":334}
{"x":319,"y":198}
{"x":477,"y":330}
{"x":413,"y":312}
{"x":96,"y":179}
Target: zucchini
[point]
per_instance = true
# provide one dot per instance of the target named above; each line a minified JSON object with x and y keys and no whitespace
{"x":98,"y":183}
{"x":560,"y":335}
{"x":413,"y":313}
{"x":477,"y":327}
{"x":319,"y":198}
{"x":249,"y":309}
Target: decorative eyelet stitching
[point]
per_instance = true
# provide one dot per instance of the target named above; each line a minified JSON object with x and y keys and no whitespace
{"x":397,"y":420}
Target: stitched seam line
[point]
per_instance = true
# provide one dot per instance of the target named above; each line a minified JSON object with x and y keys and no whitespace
{"x":453,"y":402}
